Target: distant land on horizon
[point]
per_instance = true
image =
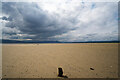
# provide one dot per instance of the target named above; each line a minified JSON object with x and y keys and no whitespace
{"x":31,"y":41}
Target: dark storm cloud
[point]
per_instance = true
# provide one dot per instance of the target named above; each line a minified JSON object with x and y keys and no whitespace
{"x":32,"y":20}
{"x":4,"y":18}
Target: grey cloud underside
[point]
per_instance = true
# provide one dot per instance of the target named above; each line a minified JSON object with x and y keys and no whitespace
{"x":33,"y":22}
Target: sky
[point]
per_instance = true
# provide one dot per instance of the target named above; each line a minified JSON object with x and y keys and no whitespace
{"x":61,"y":21}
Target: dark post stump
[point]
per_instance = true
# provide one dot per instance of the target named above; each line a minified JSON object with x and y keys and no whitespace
{"x":60,"y":72}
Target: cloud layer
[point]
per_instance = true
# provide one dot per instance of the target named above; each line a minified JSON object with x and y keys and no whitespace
{"x":61,"y":21}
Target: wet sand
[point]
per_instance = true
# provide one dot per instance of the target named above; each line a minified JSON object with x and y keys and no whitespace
{"x":42,"y":60}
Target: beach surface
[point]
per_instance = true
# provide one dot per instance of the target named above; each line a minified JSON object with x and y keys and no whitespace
{"x":78,"y":60}
{"x":0,"y":61}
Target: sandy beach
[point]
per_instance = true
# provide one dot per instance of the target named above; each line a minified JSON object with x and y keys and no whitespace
{"x":0,"y":61}
{"x":43,"y":60}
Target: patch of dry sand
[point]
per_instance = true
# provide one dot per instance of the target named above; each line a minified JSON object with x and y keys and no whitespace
{"x":0,"y":61}
{"x":42,"y":60}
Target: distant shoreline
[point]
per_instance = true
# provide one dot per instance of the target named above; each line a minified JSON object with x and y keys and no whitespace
{"x":44,"y":42}
{"x":56,"y":43}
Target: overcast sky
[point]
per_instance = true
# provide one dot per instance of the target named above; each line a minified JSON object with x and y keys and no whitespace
{"x":61,"y":21}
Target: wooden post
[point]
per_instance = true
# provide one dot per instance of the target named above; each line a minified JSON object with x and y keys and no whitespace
{"x":60,"y":72}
